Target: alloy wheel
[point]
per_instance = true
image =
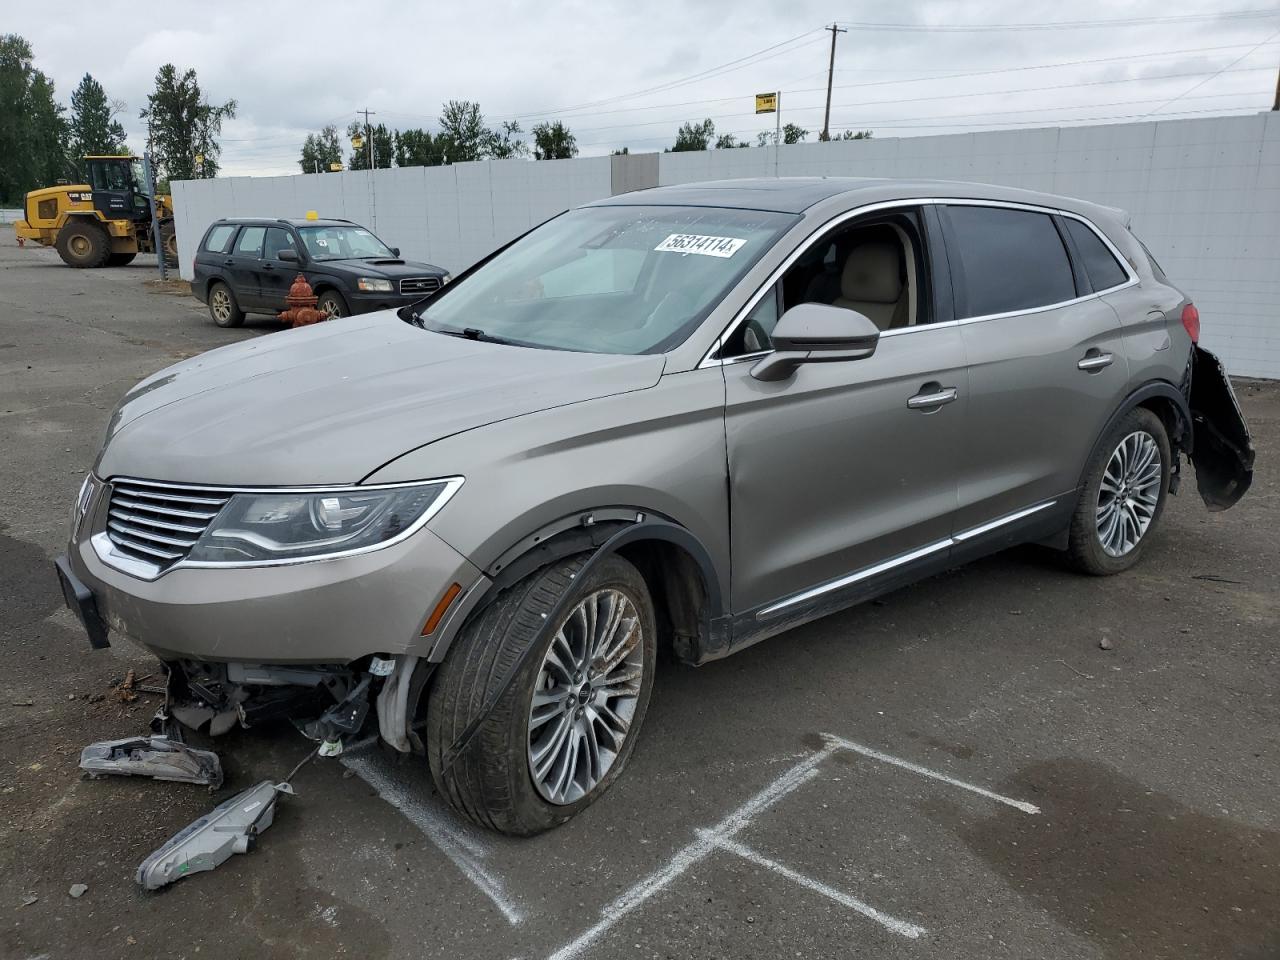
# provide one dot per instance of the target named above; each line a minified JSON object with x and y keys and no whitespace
{"x":586,"y":695}
{"x":221,"y":304}
{"x":1129,"y":493}
{"x":330,"y":308}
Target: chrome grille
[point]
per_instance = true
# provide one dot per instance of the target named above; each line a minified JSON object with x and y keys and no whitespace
{"x":160,"y":524}
{"x":419,"y":285}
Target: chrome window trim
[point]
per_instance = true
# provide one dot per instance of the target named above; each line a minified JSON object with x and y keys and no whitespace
{"x":106,"y":552}
{"x":885,"y":566}
{"x":709,"y":360}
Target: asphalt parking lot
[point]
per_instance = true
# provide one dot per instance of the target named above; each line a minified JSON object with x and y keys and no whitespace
{"x":1006,"y":761}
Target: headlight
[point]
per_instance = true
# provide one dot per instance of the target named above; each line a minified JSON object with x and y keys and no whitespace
{"x":313,"y":524}
{"x":445,"y":279}
{"x":373,"y":285}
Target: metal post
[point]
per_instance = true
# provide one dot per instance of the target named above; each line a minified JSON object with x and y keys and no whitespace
{"x":777,"y":137}
{"x":149,"y":174}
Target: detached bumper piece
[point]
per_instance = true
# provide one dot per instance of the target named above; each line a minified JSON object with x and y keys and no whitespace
{"x":1222,"y":449}
{"x":231,"y":828}
{"x":82,"y":603}
{"x":157,"y":757}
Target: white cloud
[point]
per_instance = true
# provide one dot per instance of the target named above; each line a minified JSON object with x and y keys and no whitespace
{"x":293,"y":68}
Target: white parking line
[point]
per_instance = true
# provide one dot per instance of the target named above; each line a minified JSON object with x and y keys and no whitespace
{"x":452,"y":840}
{"x":799,"y":774}
{"x":1022,"y":805}
{"x":900,"y":927}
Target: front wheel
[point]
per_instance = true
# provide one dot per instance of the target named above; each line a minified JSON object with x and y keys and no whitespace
{"x":564,"y":730}
{"x":332,"y":305}
{"x":1123,"y":495}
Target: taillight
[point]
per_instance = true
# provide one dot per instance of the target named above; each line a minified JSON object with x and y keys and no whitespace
{"x":1191,"y":321}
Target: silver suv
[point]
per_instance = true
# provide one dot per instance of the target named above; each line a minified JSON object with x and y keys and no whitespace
{"x":690,"y":417}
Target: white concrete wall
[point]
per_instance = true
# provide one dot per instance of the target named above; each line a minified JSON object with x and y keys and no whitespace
{"x":1204,"y":195}
{"x":450,"y":216}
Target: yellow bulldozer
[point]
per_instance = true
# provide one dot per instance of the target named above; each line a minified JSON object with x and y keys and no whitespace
{"x":104,"y":223}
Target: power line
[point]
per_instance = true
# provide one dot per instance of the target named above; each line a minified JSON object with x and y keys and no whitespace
{"x":1059,"y":24}
{"x":1214,"y":76}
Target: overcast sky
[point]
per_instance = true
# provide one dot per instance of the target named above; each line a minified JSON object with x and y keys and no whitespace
{"x":627,"y":73}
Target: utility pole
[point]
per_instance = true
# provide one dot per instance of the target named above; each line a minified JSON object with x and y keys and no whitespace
{"x":831,"y":69}
{"x":368,"y":132}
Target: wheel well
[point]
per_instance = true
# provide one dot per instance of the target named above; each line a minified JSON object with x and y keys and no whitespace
{"x":1172,"y":418}
{"x":679,"y":593}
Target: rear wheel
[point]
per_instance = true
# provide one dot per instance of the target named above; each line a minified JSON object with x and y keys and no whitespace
{"x":120,"y":259}
{"x":564,"y":730}
{"x":83,"y":244}
{"x":223,"y":307}
{"x":1123,"y":495}
{"x":332,"y":305}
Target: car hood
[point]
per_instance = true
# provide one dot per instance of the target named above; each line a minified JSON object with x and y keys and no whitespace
{"x":381,"y":267}
{"x":333,"y":402}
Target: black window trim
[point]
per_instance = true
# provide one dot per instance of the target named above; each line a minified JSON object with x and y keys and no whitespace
{"x":710,"y":359}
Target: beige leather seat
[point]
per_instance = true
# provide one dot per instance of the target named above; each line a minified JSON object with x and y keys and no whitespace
{"x":871,"y":284}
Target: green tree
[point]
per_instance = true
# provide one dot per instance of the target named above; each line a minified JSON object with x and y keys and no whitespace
{"x":182,"y":124}
{"x":621,"y":153}
{"x":463,"y":135}
{"x":791,"y":133}
{"x":695,"y":136}
{"x":416,"y":148}
{"x":553,"y":141}
{"x":93,"y":125}
{"x":503,"y":143}
{"x":320,"y":149}
{"x":859,"y":135}
{"x":383,"y":146}
{"x":33,"y":131}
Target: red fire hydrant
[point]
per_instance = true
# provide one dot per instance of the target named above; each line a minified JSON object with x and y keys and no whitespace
{"x":302,"y":305}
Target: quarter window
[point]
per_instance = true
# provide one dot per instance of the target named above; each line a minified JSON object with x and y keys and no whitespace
{"x":219,"y":238}
{"x":1103,"y":270}
{"x":1012,"y":260}
{"x":250,"y":242}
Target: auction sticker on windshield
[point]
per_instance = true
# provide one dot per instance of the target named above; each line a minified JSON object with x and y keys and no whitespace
{"x":694,"y":243}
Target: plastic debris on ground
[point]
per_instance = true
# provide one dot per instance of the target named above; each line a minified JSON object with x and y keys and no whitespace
{"x":157,"y":757}
{"x":229,"y":828}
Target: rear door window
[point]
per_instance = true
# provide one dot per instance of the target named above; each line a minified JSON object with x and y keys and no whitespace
{"x":220,"y":238}
{"x":1102,"y":267}
{"x":1011,"y":260}
{"x":250,"y":242}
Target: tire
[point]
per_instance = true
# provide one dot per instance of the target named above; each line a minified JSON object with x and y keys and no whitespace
{"x":493,"y":780}
{"x":332,"y":305}
{"x":169,"y":243}
{"x":83,"y":244}
{"x":1109,"y":532}
{"x":120,"y":259}
{"x":223,"y":307}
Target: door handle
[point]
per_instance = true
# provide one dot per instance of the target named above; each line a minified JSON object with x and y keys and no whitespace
{"x":267,"y":266}
{"x":936,"y":396}
{"x":229,"y":262}
{"x":1094,"y":360}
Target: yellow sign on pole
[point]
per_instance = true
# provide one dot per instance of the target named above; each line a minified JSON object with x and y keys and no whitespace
{"x":766,"y":102}
{"x":335,"y":167}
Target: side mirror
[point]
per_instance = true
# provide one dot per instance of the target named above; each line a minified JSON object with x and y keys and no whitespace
{"x":290,"y":256}
{"x":816,"y":333}
{"x":395,"y":251}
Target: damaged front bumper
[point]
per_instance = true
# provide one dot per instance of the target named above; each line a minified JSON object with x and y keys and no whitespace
{"x":1221,"y":446}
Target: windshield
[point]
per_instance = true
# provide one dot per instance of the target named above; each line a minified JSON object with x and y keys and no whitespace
{"x":623,"y":280}
{"x":343,"y":242}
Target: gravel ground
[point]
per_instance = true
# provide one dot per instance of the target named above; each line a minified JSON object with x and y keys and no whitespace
{"x":1152,"y":759}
